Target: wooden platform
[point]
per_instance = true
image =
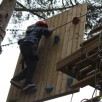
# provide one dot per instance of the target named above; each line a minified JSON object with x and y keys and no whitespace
{"x":82,"y":63}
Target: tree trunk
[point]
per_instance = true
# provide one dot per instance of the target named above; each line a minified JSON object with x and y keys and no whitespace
{"x":6,"y":10}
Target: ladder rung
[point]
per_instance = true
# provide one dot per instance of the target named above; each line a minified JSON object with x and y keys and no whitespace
{"x":88,"y":72}
{"x":91,"y":73}
{"x":86,"y":62}
{"x":86,"y":81}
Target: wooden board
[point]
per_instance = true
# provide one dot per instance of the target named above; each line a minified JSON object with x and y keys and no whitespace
{"x":50,"y":53}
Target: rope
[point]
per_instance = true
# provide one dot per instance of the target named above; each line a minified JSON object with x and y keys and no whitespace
{"x":72,"y":20}
{"x":25,"y":30}
{"x":15,"y":30}
{"x":84,"y":100}
{"x":53,"y":29}
{"x":8,"y":44}
{"x":93,"y":94}
{"x":97,"y":65}
{"x":71,"y":97}
{"x":67,"y":23}
{"x":87,"y":55}
{"x":58,"y":26}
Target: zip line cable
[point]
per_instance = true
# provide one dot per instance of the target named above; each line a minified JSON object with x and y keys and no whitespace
{"x":53,"y":29}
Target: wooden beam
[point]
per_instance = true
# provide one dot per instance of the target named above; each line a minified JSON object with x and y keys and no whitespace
{"x":87,"y":61}
{"x":95,"y":30}
{"x":87,"y":81}
{"x":90,"y":40}
{"x":86,"y":73}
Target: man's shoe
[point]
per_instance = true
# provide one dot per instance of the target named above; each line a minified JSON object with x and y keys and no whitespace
{"x":17,"y":84}
{"x":29,"y":86}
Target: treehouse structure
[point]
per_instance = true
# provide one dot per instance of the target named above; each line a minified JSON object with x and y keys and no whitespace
{"x":66,"y":62}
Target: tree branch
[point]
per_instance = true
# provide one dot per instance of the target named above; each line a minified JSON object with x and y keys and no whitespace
{"x":26,"y":9}
{"x":71,"y":3}
{"x":42,"y":10}
{"x":63,"y":4}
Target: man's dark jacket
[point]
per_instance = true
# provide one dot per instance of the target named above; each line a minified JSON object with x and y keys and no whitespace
{"x":34,"y":34}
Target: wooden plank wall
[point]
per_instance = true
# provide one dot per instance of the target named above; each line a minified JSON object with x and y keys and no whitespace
{"x":49,"y":53}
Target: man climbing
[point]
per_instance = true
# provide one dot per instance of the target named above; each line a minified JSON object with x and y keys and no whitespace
{"x":28,"y":48}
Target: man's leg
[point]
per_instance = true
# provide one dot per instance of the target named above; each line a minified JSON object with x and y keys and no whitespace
{"x":28,"y":54}
{"x":21,"y":75}
{"x":31,"y":65}
{"x":16,"y":79}
{"x":30,"y":71}
{"x":28,"y":83}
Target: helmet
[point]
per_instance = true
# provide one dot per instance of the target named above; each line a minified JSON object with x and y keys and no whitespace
{"x":41,"y":24}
